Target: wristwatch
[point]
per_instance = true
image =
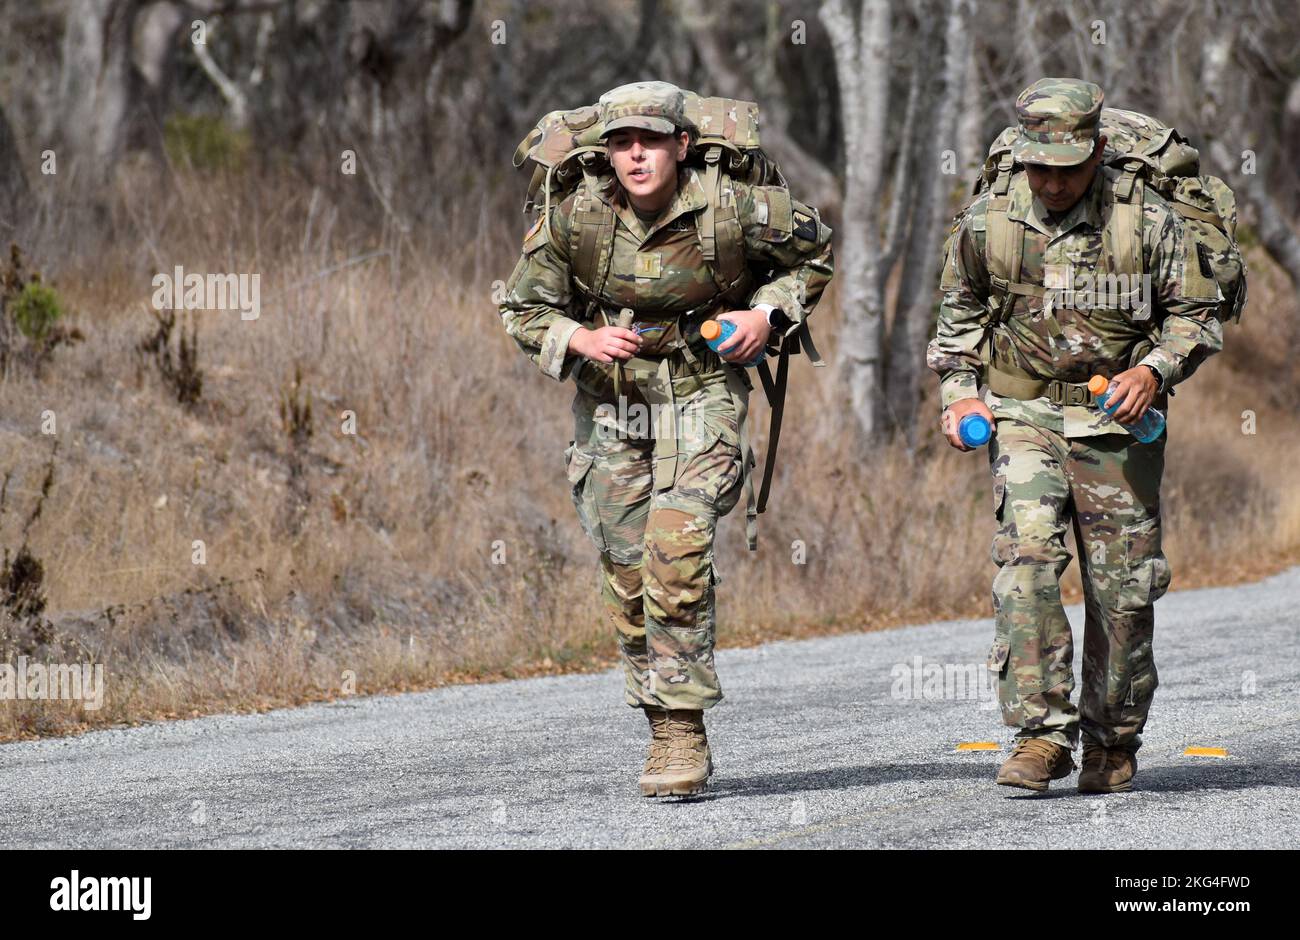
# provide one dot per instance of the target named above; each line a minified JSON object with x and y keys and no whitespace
{"x":1160,"y":379}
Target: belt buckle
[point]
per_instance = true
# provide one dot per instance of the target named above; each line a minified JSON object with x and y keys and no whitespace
{"x":1055,"y":392}
{"x":1077,"y":395}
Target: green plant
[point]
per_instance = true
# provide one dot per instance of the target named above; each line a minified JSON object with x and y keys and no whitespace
{"x":205,"y":142}
{"x":36,"y":309}
{"x":30,"y":312}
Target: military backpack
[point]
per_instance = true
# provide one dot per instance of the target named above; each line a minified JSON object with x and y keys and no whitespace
{"x":567,"y":154}
{"x":1144,"y":152}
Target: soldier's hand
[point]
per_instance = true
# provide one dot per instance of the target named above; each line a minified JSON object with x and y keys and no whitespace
{"x":750,"y":336}
{"x":606,"y":344}
{"x":1133,"y":390}
{"x":951,"y":420}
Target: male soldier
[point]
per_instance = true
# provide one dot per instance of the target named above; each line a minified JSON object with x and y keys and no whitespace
{"x":650,"y":498}
{"x":1055,"y":458}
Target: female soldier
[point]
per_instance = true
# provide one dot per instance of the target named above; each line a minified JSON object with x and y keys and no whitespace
{"x":659,"y":452}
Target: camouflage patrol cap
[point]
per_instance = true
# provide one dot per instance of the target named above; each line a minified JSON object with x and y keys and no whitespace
{"x":654,"y":106}
{"x":1058,"y":118}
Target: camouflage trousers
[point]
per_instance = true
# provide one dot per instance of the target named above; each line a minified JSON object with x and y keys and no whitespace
{"x":649,"y":495}
{"x":1108,"y":489}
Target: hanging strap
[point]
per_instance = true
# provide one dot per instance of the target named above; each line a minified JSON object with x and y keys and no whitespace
{"x":775,"y":392}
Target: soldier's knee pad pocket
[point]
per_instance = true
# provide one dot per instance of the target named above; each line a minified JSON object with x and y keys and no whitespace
{"x":1145,"y":570}
{"x":578,"y":464}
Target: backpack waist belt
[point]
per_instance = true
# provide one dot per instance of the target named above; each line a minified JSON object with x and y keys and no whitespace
{"x":1025,"y":388}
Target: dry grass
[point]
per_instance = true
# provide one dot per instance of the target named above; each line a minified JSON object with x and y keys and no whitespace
{"x":339,"y":563}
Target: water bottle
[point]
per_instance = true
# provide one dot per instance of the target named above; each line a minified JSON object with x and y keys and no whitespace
{"x":1146,"y":429}
{"x":974,"y":430}
{"x":717,"y":332}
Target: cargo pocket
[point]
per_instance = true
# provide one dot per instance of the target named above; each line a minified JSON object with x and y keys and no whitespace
{"x":578,"y":464}
{"x":711,"y":473}
{"x":1142,"y":688}
{"x":1145,"y":572}
{"x":1003,"y":549}
{"x":997,"y":659}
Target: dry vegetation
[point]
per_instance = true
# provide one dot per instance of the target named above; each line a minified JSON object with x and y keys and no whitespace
{"x":370,"y":555}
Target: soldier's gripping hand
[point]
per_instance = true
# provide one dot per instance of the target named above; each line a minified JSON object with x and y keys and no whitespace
{"x":1133,"y":390}
{"x":605,"y":344}
{"x":750,"y":336}
{"x":959,"y":409}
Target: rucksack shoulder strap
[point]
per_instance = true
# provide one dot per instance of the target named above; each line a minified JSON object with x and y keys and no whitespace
{"x":1004,"y":244}
{"x":1121,"y":235}
{"x":722,"y":238}
{"x":591,"y":238}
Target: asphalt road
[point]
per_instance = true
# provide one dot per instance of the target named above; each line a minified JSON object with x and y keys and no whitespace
{"x":818,"y":743}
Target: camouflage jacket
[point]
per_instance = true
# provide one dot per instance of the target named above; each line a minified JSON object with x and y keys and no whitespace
{"x":661,"y":272}
{"x":1071,"y":340}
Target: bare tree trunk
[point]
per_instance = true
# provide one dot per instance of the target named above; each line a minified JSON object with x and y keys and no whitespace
{"x":971,"y":145}
{"x":15,"y":197}
{"x":915,"y":311}
{"x":1275,"y":233}
{"x":861,"y":52}
{"x":1029,"y":45}
{"x":816,"y":182}
{"x":155,"y":58}
{"x":98,"y":84}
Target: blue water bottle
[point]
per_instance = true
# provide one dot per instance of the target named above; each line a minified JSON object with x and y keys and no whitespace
{"x":1146,"y":428}
{"x":717,"y":332}
{"x":974,"y":430}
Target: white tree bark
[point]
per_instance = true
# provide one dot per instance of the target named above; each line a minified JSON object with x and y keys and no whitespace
{"x":862,"y":67}
{"x":815,"y":182}
{"x":96,"y":87}
{"x":1275,"y":232}
{"x":918,"y":292}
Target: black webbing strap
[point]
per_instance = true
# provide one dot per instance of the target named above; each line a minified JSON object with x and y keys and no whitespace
{"x":775,"y":392}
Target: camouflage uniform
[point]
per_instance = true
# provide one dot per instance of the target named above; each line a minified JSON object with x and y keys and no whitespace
{"x":1056,"y":460}
{"x":649,"y":493}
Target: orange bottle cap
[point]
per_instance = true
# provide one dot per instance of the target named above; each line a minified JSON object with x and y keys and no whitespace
{"x":1098,"y":384}
{"x":710,"y":329}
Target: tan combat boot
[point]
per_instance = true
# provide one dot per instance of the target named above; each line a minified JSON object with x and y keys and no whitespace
{"x":657,"y":753}
{"x":1106,"y":769}
{"x":686,"y":763}
{"x":1034,"y":762}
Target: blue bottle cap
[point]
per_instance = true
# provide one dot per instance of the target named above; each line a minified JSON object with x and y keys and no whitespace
{"x":974,"y":430}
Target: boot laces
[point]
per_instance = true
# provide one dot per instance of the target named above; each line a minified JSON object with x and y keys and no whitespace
{"x":1041,"y":746}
